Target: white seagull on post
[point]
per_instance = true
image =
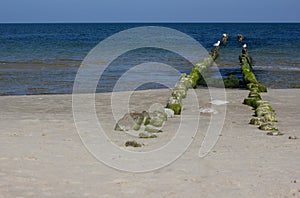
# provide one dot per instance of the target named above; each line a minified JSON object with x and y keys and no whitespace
{"x":224,"y":35}
{"x":217,"y":44}
{"x":245,"y":46}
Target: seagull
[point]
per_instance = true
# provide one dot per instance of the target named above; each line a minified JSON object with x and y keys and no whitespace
{"x":217,"y":44}
{"x":224,"y":35}
{"x":245,"y":46}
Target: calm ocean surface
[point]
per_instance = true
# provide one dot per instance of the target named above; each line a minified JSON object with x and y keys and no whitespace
{"x":44,"y":58}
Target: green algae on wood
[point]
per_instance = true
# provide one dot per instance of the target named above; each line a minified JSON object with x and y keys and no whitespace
{"x":268,"y":127}
{"x":257,"y":121}
{"x":175,"y":105}
{"x":146,"y":135}
{"x":270,"y":117}
{"x":263,"y":110}
{"x":257,"y":103}
{"x":257,"y":87}
{"x":249,"y":77}
{"x":250,"y":101}
{"x":254,"y":94}
{"x":133,"y":144}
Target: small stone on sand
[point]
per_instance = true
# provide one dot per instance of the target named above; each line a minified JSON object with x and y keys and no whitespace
{"x":293,"y":137}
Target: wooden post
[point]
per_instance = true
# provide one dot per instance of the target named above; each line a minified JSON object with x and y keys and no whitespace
{"x":240,"y":38}
{"x":265,"y":115}
{"x":224,"y":39}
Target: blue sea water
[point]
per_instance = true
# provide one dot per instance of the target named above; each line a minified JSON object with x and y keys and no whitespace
{"x":44,"y":58}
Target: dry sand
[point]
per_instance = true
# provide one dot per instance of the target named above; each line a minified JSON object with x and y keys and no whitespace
{"x":41,"y":154}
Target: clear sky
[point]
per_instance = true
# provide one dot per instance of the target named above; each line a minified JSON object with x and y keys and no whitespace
{"x":19,"y":11}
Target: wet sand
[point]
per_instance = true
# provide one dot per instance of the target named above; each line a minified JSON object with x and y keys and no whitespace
{"x":42,"y":155}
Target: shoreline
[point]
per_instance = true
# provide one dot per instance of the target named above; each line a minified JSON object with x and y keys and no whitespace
{"x":108,"y":92}
{"x":42,"y":154}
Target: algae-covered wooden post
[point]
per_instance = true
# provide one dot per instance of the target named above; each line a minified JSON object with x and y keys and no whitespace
{"x":248,"y":75}
{"x":224,"y":39}
{"x":240,"y":38}
{"x":265,"y":115}
{"x":190,"y":81}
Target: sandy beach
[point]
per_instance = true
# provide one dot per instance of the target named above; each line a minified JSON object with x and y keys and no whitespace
{"x":42,"y":154}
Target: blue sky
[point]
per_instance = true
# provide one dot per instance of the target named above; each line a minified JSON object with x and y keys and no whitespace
{"x":149,"y":11}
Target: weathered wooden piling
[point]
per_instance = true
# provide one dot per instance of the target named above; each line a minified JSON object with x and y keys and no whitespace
{"x":224,"y":39}
{"x":189,"y":81}
{"x":214,"y":53}
{"x":265,"y":115}
{"x":248,"y":75}
{"x":240,"y":38}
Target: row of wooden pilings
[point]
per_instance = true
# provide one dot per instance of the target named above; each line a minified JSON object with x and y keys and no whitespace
{"x":264,"y":113}
{"x":265,"y":116}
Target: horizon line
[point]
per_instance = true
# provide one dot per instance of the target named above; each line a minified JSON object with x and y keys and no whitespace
{"x":144,"y":22}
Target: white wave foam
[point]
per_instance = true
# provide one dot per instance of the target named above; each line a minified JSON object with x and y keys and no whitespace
{"x":274,"y":68}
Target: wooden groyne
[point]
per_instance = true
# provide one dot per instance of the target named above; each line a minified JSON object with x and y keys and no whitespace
{"x":152,"y":122}
{"x":265,"y":115}
{"x":190,"y":81}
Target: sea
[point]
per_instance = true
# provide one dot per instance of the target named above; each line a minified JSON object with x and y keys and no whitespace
{"x":45,"y":58}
